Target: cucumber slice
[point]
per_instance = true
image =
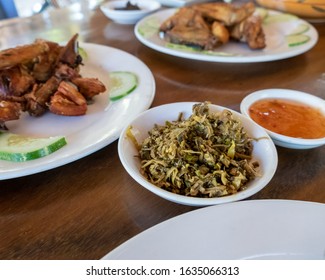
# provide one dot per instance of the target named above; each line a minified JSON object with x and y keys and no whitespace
{"x":19,"y":148}
{"x":82,"y":52}
{"x":149,"y":27}
{"x":301,"y":28}
{"x":122,"y":84}
{"x":296,"y":40}
{"x":279,"y":18}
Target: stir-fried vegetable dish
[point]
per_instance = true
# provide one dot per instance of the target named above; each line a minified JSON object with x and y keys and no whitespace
{"x":207,"y":155}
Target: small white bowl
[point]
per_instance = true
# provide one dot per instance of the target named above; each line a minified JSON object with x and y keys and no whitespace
{"x":287,"y":94}
{"x":129,"y":16}
{"x":264,"y":152}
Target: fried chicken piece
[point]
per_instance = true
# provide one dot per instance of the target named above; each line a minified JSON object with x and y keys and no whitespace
{"x":209,"y":25}
{"x":38,"y":77}
{"x":45,"y":91}
{"x":15,"y":81}
{"x":224,"y":12}
{"x":37,"y":100}
{"x":188,"y":27}
{"x":220,"y":32}
{"x":185,"y":16}
{"x":32,"y":106}
{"x":192,"y":36}
{"x":44,"y":67}
{"x":22,"y":54}
{"x":89,"y":87}
{"x":69,"y":53}
{"x":250,"y":31}
{"x":9,"y":111}
{"x":68,"y":101}
{"x":64,"y":71}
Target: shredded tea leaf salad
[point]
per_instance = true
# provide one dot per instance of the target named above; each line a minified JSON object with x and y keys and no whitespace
{"x":207,"y":155}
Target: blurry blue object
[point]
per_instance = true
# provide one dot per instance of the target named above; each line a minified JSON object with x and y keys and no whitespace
{"x":8,"y":9}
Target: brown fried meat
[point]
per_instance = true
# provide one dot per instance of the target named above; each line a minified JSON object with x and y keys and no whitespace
{"x":44,"y":76}
{"x":210,"y":25}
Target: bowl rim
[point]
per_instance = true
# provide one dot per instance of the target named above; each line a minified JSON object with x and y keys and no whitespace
{"x":196,"y":201}
{"x":285,"y":94}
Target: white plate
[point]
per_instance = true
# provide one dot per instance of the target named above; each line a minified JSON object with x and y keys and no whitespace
{"x":264,"y":152}
{"x":277,"y":29}
{"x":99,"y":127}
{"x":256,"y":229}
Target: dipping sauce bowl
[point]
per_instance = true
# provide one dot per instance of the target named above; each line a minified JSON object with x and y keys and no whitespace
{"x":293,"y":119}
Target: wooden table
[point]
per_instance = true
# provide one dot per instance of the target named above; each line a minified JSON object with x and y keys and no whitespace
{"x":88,"y":207}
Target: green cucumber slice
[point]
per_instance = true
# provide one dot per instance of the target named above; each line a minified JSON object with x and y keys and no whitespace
{"x":149,"y":27}
{"x":82,"y":52}
{"x":121,"y":84}
{"x":20,"y":148}
{"x":301,"y":28}
{"x":270,"y":18}
{"x":296,"y":40}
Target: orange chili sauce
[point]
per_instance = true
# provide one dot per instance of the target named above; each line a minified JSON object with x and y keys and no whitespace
{"x":288,"y":118}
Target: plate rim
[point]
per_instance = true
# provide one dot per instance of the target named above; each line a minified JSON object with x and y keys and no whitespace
{"x":120,"y":252}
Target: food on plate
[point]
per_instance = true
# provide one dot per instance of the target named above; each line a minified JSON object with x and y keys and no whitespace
{"x":18,"y":148}
{"x":69,"y":100}
{"x":122,"y":83}
{"x":229,"y":14}
{"x":44,"y":76}
{"x":210,"y":25}
{"x":22,"y":54}
{"x":188,"y":27}
{"x":289,"y":118}
{"x":207,"y":155}
{"x":249,"y":31}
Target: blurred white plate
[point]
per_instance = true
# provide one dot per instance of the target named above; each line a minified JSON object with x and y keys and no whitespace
{"x":277,"y":27}
{"x":256,"y":229}
{"x":102,"y":123}
{"x":264,"y":152}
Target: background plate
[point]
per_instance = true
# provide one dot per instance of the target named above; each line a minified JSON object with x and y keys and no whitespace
{"x":99,"y":127}
{"x":255,"y":229}
{"x":277,"y":27}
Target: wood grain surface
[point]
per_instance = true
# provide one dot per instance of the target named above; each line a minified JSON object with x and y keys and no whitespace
{"x":86,"y":208}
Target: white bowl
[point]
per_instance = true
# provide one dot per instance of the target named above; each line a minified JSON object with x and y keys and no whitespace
{"x":129,"y":16}
{"x":293,"y":95}
{"x":264,"y":152}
